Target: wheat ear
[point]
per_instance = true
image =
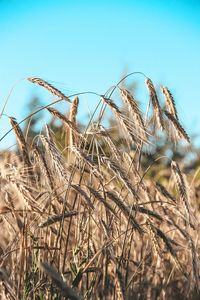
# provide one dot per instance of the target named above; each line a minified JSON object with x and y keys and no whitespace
{"x":49,"y":87}
{"x":23,"y":147}
{"x":21,"y":140}
{"x":170,"y":103}
{"x":135,"y":111}
{"x":155,"y":103}
{"x":180,"y":131}
{"x":72,"y":118}
{"x":98,"y":196}
{"x":83,"y":194}
{"x":67,"y":122}
{"x":121,"y":119}
{"x":181,"y":187}
{"x":56,"y":218}
{"x":162,"y":191}
{"x":119,"y":172}
{"x":125,"y":210}
{"x":67,"y":292}
{"x":110,"y":142}
{"x":55,"y":157}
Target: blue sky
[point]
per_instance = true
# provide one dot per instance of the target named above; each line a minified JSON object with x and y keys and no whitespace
{"x":87,"y":45}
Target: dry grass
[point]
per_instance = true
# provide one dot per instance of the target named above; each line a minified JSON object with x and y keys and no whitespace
{"x":88,"y":221}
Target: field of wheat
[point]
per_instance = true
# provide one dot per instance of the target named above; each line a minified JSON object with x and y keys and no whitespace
{"x":85,"y":217}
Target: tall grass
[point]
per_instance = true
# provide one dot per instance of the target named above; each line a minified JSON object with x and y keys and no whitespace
{"x":86,"y":220}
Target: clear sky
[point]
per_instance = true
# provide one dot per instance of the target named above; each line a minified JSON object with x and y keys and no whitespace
{"x":87,"y":45}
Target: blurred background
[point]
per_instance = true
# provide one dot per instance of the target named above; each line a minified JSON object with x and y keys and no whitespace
{"x":89,"y":45}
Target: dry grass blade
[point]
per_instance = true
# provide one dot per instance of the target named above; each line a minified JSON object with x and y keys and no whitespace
{"x":170,"y":103}
{"x":57,"y":278}
{"x":181,"y":133}
{"x":49,"y":87}
{"x":155,"y":104}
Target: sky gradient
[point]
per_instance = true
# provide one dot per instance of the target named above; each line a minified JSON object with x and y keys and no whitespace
{"x":87,"y":45}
